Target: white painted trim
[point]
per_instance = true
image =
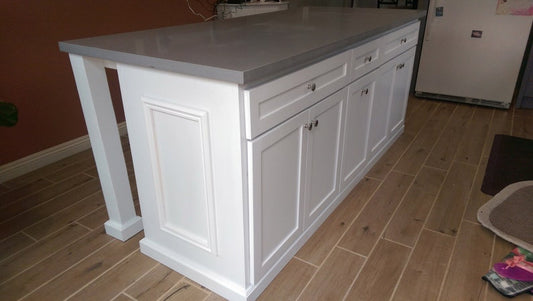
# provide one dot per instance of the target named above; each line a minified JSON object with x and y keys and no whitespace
{"x":50,"y":155}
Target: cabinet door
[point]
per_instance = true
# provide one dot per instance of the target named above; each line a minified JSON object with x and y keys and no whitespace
{"x":378,"y":130}
{"x":276,"y":179}
{"x":356,"y":122}
{"x":323,"y":153}
{"x":403,"y":70}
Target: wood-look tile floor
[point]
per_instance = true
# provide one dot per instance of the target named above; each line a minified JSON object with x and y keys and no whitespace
{"x":408,"y":231}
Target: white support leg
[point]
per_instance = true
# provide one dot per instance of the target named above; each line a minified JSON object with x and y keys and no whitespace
{"x":101,"y":123}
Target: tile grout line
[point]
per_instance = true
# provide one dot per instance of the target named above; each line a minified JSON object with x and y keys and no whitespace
{"x":384,"y":229}
{"x":306,"y":262}
{"x":398,"y":243}
{"x":18,"y":199}
{"x":488,"y":139}
{"x":24,"y":233}
{"x":128,"y":295}
{"x":170,"y":291}
{"x":102,"y":274}
{"x":43,"y":203}
{"x":448,"y":122}
{"x":413,"y":141}
{"x":21,"y":250}
{"x":438,"y":232}
{"x":353,"y":252}
{"x":67,"y":269}
{"x":411,"y":248}
{"x":447,"y":171}
{"x":314,"y":275}
{"x":63,"y":209}
{"x":45,"y":258}
{"x":459,"y":230}
{"x":137,"y":280}
{"x":89,"y":213}
{"x":76,"y":222}
{"x":382,"y":235}
{"x":478,"y":170}
{"x":454,"y":237}
{"x":350,"y":287}
{"x":50,"y":178}
{"x":36,"y":239}
{"x":483,"y":146}
{"x":340,"y":238}
{"x":379,"y":236}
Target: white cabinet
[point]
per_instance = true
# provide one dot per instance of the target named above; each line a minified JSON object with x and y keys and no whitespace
{"x":402,"y":69}
{"x":323,"y":152}
{"x":233,"y":180}
{"x":356,"y":121}
{"x":298,"y":169}
{"x":389,"y":102}
{"x":378,"y":132}
{"x":269,"y":104}
{"x":293,"y":178}
{"x":276,"y":173}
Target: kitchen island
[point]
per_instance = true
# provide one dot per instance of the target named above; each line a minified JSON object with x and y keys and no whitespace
{"x":245,"y":133}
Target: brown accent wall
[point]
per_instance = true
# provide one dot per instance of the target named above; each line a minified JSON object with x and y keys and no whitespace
{"x":37,"y":77}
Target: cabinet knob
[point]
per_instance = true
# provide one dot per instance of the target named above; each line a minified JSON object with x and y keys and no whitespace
{"x":311,"y":87}
{"x":368,"y":59}
{"x":404,"y":40}
{"x":400,"y":66}
{"x":364,"y":91}
{"x":309,"y":126}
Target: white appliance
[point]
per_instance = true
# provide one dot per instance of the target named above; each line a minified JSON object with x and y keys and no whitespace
{"x":470,"y":53}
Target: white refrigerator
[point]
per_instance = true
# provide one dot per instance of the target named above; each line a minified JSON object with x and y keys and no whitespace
{"x":472,"y":54}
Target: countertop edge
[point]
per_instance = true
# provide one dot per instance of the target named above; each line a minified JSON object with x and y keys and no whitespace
{"x":154,"y":63}
{"x":247,"y":78}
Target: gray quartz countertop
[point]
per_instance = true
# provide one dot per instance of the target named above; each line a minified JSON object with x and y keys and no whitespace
{"x":250,"y":49}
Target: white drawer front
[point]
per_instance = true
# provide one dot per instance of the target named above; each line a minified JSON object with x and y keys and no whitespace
{"x":399,"y":41}
{"x":365,"y":58}
{"x":274,"y":102}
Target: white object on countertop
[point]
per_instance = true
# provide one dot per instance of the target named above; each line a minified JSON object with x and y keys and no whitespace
{"x":227,"y":11}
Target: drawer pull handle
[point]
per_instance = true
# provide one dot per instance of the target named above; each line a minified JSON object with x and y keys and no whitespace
{"x":368,"y":59}
{"x":309,"y":126}
{"x":311,"y":87}
{"x":364,"y":91}
{"x":400,"y":66}
{"x":404,"y":40}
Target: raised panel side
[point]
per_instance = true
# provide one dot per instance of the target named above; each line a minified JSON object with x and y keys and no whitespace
{"x":180,"y":154}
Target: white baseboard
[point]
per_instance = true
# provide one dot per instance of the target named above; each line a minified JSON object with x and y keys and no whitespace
{"x":50,"y":155}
